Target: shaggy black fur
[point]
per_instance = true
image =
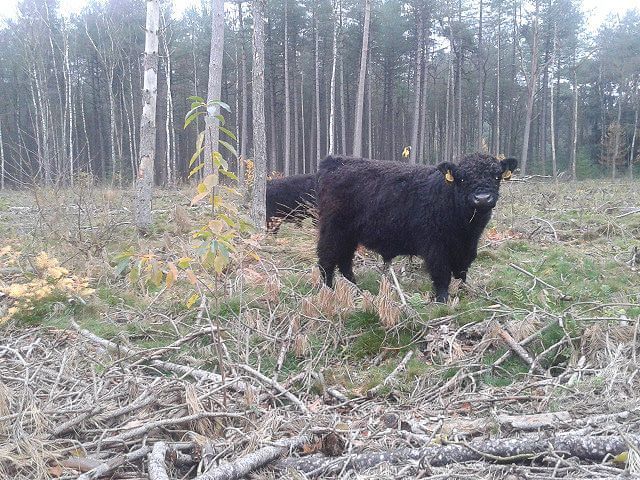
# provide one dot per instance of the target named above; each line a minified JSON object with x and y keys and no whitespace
{"x":290,"y":199}
{"x":399,"y":209}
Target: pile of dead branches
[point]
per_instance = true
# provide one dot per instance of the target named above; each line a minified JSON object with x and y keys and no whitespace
{"x":75,"y":405}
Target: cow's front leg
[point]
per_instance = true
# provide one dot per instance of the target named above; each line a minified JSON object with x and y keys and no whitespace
{"x":440,"y":271}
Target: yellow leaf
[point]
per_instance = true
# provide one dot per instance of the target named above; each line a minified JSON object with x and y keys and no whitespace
{"x":219,"y":263}
{"x":216,"y":226}
{"x":209,"y":181}
{"x":184,"y":262}
{"x":621,"y":458}
{"x":199,"y":197}
{"x":192,"y":300}
{"x":506,"y":175}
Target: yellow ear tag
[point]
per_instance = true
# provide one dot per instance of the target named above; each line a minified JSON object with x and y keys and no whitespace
{"x":448,"y":177}
{"x":506,"y":175}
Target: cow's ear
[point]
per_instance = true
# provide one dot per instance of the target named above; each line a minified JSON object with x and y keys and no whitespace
{"x":508,"y":166}
{"x":448,"y":169}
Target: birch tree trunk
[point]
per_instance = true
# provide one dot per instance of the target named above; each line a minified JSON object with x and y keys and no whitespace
{"x":258,"y":203}
{"x":531,"y":91}
{"x":418,"y":83}
{"x":287,"y":101}
{"x":212,"y":134}
{"x":144,"y":183}
{"x":332,"y":94}
{"x":244,"y":136}
{"x":357,"y":131}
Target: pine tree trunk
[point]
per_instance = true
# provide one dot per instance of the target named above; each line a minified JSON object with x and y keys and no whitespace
{"x":496,"y":134}
{"x":343,"y":117}
{"x":574,"y":141}
{"x":332,"y":93}
{"x":305,"y":169}
{"x":552,"y":107}
{"x":531,"y":92}
{"x":296,"y":117}
{"x":481,"y":81}
{"x":3,"y":172}
{"x":357,"y":133}
{"x":369,"y":117}
{"x":287,"y":102}
{"x":144,"y":184}
{"x":258,"y":201}
{"x":214,"y":87}
{"x":633,"y":144}
{"x":314,"y":161}
{"x":616,"y":147}
{"x":417,"y":86}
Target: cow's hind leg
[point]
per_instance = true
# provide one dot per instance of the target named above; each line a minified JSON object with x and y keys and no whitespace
{"x":345,"y":260}
{"x":327,"y":254}
{"x":440,"y":272}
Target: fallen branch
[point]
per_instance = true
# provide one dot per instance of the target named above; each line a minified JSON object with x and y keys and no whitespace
{"x":274,"y":384}
{"x":497,"y":450}
{"x":372,"y":392}
{"x":156,"y":465}
{"x":403,"y":300}
{"x":536,"y":279}
{"x":196,"y":373}
{"x":519,"y":350}
{"x":242,"y":466}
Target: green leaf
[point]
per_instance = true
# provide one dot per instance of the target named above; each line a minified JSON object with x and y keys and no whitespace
{"x":223,"y":105}
{"x":230,"y":174}
{"x":184,"y":262}
{"x":196,"y":170}
{"x":190,"y":117}
{"x":228,"y":132}
{"x":195,"y":156}
{"x":195,"y":98}
{"x":229,"y":147}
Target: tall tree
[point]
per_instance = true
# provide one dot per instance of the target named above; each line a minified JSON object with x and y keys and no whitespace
{"x":144,"y":182}
{"x":212,"y":134}
{"x":287,"y":102}
{"x":532,"y":81}
{"x":417,"y":83}
{"x":258,"y":201}
{"x":357,"y":129}
{"x":334,"y":63}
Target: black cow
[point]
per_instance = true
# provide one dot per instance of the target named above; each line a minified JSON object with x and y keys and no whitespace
{"x":290,"y":199}
{"x":437,"y":213}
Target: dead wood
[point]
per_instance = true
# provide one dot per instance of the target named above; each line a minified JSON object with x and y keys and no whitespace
{"x":519,"y":350}
{"x":156,"y":462}
{"x":274,"y":384}
{"x":247,"y":464}
{"x":372,"y":392}
{"x":507,"y":450}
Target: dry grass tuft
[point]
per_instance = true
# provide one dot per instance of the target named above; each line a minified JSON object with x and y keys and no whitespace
{"x":345,"y":292}
{"x":387,"y":307}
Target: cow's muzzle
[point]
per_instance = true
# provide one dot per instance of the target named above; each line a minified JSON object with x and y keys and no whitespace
{"x":484,"y":200}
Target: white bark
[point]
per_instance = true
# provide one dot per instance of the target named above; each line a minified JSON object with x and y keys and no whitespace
{"x":144,"y":182}
{"x":258,"y":204}
{"x":214,"y":88}
{"x":357,"y":133}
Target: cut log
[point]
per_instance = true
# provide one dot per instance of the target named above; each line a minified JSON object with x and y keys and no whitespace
{"x":244,"y":465}
{"x":501,"y":450}
{"x":157,"y":466}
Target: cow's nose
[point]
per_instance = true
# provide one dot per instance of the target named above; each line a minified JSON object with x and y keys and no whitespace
{"x":484,"y":200}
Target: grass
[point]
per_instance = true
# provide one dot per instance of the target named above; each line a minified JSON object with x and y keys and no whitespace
{"x":586,"y":264}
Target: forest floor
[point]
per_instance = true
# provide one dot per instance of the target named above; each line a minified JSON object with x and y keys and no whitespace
{"x":530,"y":371}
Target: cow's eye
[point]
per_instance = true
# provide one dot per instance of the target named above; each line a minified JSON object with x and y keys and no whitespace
{"x":498,"y":178}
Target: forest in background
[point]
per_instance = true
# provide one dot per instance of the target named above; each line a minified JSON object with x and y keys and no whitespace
{"x":520,"y":78}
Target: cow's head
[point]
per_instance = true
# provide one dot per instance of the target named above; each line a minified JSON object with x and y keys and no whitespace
{"x":476,"y":179}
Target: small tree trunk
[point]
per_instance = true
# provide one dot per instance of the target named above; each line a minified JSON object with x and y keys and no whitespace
{"x":616,"y":146}
{"x":357,"y":133}
{"x":531,"y":91}
{"x":287,"y":103}
{"x":552,"y":107}
{"x":332,"y":93}
{"x":303,"y":136}
{"x":343,"y":117}
{"x":258,"y":204}
{"x":369,"y":118}
{"x":574,"y":141}
{"x":314,"y":162}
{"x":417,"y":86}
{"x":144,"y":183}
{"x":633,"y":144}
{"x":497,"y":122}
{"x":483,"y":78}
{"x":3,"y":172}
{"x":244,"y":136}
{"x":214,"y":87}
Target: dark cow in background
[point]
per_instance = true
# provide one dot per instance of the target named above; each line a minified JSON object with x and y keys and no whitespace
{"x":290,"y":199}
{"x":437,"y":213}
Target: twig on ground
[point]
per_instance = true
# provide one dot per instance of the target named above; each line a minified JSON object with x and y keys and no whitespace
{"x":403,"y":300}
{"x":372,"y":392}
{"x":519,"y":350}
{"x":272,"y":383}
